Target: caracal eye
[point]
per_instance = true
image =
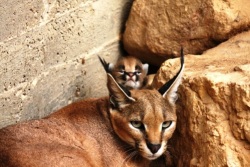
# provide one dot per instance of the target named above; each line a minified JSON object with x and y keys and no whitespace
{"x":137,"y":124}
{"x":166,"y":124}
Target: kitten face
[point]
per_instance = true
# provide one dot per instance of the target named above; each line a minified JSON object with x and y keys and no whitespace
{"x":130,"y":72}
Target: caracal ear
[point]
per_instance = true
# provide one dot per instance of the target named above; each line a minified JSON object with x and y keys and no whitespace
{"x":145,"y":68}
{"x":119,"y":95}
{"x":169,"y":89}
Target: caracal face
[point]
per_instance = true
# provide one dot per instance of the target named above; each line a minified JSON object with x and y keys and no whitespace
{"x":146,"y":123}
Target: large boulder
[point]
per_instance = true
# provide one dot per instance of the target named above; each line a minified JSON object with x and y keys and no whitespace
{"x":213,"y":126}
{"x":156,"y":28}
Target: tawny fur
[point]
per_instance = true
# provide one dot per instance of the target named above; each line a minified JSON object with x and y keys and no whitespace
{"x":77,"y":135}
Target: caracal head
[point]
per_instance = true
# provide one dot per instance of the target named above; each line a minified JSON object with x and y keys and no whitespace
{"x":146,"y":123}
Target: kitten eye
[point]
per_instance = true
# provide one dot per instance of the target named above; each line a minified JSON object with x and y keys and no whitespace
{"x":137,"y":124}
{"x":121,"y":72}
{"x":166,"y":124}
{"x":138,"y":73}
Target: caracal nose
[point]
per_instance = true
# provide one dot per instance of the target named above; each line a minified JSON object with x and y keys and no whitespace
{"x":153,"y":147}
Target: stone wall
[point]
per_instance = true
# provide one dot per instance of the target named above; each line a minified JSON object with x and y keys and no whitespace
{"x":48,"y":52}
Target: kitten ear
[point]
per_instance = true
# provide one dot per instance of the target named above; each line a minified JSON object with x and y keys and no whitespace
{"x":145,"y":68}
{"x":107,"y":66}
{"x":119,"y":95}
{"x":169,"y":89}
{"x":111,"y":66}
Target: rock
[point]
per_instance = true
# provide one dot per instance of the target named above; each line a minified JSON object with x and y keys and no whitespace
{"x":213,"y":126}
{"x":157,"y":28}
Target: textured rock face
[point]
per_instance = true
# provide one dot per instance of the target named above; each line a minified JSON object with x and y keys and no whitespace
{"x":159,"y":27}
{"x":214,"y":107}
{"x":48,"y":52}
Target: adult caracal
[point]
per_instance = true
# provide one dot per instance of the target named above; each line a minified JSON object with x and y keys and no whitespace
{"x":128,"y":128}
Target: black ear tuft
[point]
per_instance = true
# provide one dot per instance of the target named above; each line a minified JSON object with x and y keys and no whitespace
{"x":172,"y":85}
{"x":106,"y":66}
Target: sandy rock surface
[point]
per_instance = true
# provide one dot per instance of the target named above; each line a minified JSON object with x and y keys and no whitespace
{"x":158,"y":28}
{"x":214,"y":107}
